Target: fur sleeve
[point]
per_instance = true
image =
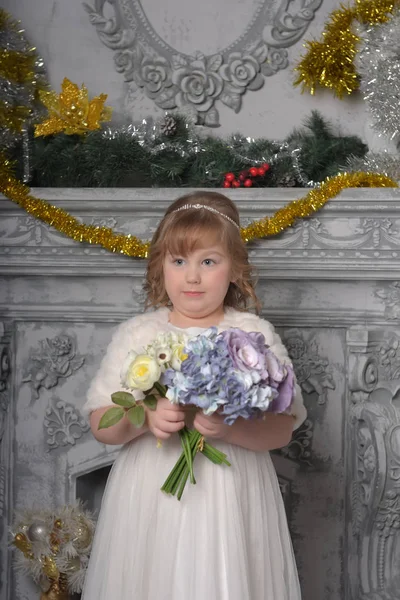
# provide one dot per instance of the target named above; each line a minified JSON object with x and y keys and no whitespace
{"x":250,"y":322}
{"x":297,"y":410}
{"x":107,"y":379}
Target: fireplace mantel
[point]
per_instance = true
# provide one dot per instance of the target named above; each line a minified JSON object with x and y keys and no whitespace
{"x":331,"y":284}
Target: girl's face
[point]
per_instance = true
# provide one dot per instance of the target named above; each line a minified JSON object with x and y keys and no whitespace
{"x":197,"y":284}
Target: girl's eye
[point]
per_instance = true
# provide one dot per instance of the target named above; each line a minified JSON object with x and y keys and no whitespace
{"x":209,"y":262}
{"x":178,"y":261}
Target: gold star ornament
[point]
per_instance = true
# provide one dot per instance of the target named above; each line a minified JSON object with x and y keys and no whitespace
{"x":71,"y":111}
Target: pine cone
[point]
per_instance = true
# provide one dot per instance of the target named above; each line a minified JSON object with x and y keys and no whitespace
{"x":168,"y":126}
{"x":287,"y":180}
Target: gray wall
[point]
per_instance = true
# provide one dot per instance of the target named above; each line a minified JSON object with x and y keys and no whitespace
{"x":67,"y":40}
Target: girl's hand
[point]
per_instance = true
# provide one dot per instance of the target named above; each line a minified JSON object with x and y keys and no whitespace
{"x":211,"y":426}
{"x":166,"y":419}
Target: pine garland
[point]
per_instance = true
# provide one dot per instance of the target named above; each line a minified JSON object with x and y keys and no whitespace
{"x":121,"y":158}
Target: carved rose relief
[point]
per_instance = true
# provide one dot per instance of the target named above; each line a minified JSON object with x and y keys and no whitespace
{"x":196,"y":82}
{"x":57,"y":359}
{"x":154,"y":76}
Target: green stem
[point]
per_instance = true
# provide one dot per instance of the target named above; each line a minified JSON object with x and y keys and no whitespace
{"x":174,"y":476}
{"x":172,"y":482}
{"x":161,"y":389}
{"x":183,"y":483}
{"x":177,"y":479}
{"x":184,"y":434}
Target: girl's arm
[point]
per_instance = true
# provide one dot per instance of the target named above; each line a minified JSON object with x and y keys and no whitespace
{"x":121,"y":433}
{"x":273,"y":431}
{"x":162,"y":422}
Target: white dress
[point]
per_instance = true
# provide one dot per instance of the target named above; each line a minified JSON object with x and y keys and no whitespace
{"x":227,"y":539}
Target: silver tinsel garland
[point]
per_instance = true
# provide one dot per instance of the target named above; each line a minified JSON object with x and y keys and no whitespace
{"x":378,"y":64}
{"x":149,"y":132}
{"x":384,"y":162}
{"x":14,"y":94}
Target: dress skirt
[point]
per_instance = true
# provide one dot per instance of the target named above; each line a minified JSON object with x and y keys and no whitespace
{"x":227,"y":539}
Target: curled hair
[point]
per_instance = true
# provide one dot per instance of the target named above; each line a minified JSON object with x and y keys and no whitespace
{"x":182,"y":232}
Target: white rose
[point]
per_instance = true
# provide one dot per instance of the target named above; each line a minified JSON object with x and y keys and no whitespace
{"x":178,"y":356}
{"x":141,"y":373}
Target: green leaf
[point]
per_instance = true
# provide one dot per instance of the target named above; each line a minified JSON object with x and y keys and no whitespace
{"x":111,"y":417}
{"x":123,"y":399}
{"x":150,"y":401}
{"x":136,"y":416}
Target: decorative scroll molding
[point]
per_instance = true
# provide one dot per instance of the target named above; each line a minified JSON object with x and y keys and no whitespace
{"x":5,"y":373}
{"x":389,"y":358}
{"x":2,"y":489}
{"x":300,"y":446}
{"x":312,"y":371}
{"x":28,"y":231}
{"x":340,"y":243}
{"x":5,"y":376}
{"x":6,"y":466}
{"x":371,"y":234}
{"x":63,"y":425}
{"x":374,"y":465}
{"x":56,"y":359}
{"x":195,"y":83}
{"x":314,"y":375}
{"x":390,"y":296}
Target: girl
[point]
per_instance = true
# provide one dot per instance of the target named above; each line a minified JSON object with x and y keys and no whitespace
{"x":228,"y":537}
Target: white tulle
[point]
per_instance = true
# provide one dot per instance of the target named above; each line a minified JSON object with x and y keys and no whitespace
{"x":227,"y":539}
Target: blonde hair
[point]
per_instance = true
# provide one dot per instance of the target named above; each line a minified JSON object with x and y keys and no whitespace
{"x":182,"y":231}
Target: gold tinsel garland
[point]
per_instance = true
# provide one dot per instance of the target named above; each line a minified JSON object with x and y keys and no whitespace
{"x":330,"y":62}
{"x":16,"y":66}
{"x":312,"y":202}
{"x":13,"y":117}
{"x":64,"y":222}
{"x":132,"y":246}
{"x":19,"y":69}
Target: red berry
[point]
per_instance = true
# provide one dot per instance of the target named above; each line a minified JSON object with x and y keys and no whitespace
{"x":261,"y":171}
{"x":248,"y":183}
{"x":229,"y":177}
{"x":265,"y":166}
{"x":236,"y":183}
{"x":226,"y":184}
{"x":253,"y":171}
{"x":243,"y":175}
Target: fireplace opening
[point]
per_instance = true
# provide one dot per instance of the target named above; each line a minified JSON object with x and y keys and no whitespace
{"x":90,"y":488}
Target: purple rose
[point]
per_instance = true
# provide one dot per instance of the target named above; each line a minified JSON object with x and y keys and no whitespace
{"x":286,"y":391}
{"x":251,"y":355}
{"x":247,"y":352}
{"x":276,"y":370}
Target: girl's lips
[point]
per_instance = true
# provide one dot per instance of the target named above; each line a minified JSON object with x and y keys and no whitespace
{"x":193,"y":293}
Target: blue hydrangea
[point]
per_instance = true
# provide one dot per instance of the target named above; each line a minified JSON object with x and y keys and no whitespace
{"x":208,"y":379}
{"x":202,"y":378}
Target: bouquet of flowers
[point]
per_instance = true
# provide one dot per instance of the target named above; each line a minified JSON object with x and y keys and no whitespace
{"x":233,"y":372}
